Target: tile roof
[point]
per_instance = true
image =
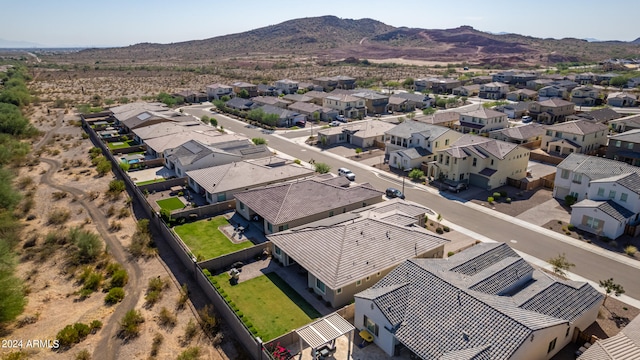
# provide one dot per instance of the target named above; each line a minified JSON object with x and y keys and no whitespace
{"x":342,"y":97}
{"x":482,"y":146}
{"x":437,"y":315}
{"x":580,"y":127}
{"x":632,"y":120}
{"x":410,"y":127}
{"x":269,"y":100}
{"x":169,"y":128}
{"x":523,"y":132}
{"x":283,"y":203}
{"x":419,"y":98}
{"x":600,"y":115}
{"x":555,"y":102}
{"x":623,"y":346}
{"x":162,"y":143}
{"x":630,"y":181}
{"x":609,"y":207}
{"x":596,"y":167}
{"x":245,"y":174}
{"x":415,"y":152}
{"x":629,"y":136}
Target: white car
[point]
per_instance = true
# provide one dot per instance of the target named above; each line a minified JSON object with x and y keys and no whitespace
{"x":347,"y":173}
{"x":334,"y":123}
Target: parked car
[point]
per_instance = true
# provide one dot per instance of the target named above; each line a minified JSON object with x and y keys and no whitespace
{"x":347,"y":173}
{"x":526,"y":119}
{"x":394,"y":193}
{"x":341,"y":118}
{"x":334,"y":123}
{"x":456,"y":187}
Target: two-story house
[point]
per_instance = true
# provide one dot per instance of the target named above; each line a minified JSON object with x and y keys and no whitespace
{"x":625,"y":123}
{"x":625,"y":147}
{"x":482,"y":121}
{"x":585,"y":78}
{"x":374,"y":102}
{"x":551,"y":111}
{"x":330,"y":83}
{"x":611,"y":206}
{"x":414,"y":101}
{"x":553,"y":91}
{"x":467,"y":90}
{"x":444,"y":86}
{"x":250,"y":89}
{"x":530,"y":134}
{"x":538,"y":84}
{"x":515,"y":110}
{"x":217,"y":91}
{"x":493,"y":90}
{"x":271,"y":100}
{"x":503,"y":76}
{"x":522,"y":95}
{"x":480,"y":161}
{"x":633,"y":82}
{"x":286,"y":86}
{"x":586,"y":96}
{"x":411,"y":143}
{"x":578,"y":136}
{"x":622,"y":99}
{"x":347,"y":105}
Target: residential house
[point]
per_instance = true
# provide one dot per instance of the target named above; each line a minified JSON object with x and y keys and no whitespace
{"x":267,"y":90}
{"x":503,"y":76}
{"x":576,"y":172}
{"x":347,"y":105}
{"x":515,"y":110}
{"x":220,"y":183}
{"x":625,"y":344}
{"x":193,"y":155}
{"x":622,"y":99}
{"x":567,"y":84}
{"x":251,"y":89}
{"x":286,"y":118}
{"x":480,"y":161}
{"x":485,"y":302}
{"x":482,"y":79}
{"x":586,"y":96}
{"x":521,"y":78}
{"x":578,"y":136}
{"x":467,"y":90}
{"x":444,"y":86}
{"x":493,"y":90}
{"x":529,"y":134}
{"x":446,"y":118}
{"x":292,"y":98}
{"x":345,"y":82}
{"x":335,"y":82}
{"x":551,"y":111}
{"x":271,"y":100}
{"x":537,"y":84}
{"x":482,"y":121}
{"x":374,"y":102}
{"x":308,"y":86}
{"x":362,"y":134}
{"x":603,"y":115}
{"x":143,"y":134}
{"x":423,"y":84}
{"x":147,"y":117}
{"x":217,"y":91}
{"x":398,"y":104}
{"x":633,"y":82}
{"x":553,"y":91}
{"x":604,"y":79}
{"x":239,"y":103}
{"x":157,"y":145}
{"x":347,"y":253}
{"x":625,"y":123}
{"x":317,"y":97}
{"x":414,"y":101}
{"x":287,"y":86}
{"x":190,"y":96}
{"x":286,"y":206}
{"x":585,"y":78}
{"x":522,"y":95}
{"x":625,"y":147}
{"x":313,"y":112}
{"x":125,"y":111}
{"x":410,"y":143}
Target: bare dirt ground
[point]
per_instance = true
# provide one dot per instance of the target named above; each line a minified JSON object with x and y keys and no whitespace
{"x":62,"y":179}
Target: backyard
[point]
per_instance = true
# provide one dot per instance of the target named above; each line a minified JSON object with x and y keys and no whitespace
{"x":206,"y":241}
{"x":267,"y":304}
{"x":172,"y":203}
{"x":121,"y":144}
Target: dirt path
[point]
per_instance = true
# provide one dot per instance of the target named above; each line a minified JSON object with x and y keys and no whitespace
{"x":50,"y":133}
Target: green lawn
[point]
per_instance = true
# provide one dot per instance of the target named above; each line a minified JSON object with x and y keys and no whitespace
{"x":125,"y":144}
{"x":150,"y":181}
{"x":268,"y":304}
{"x":205,"y":240}
{"x":172,"y":203}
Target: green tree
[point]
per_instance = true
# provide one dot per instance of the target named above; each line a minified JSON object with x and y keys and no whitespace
{"x":271,"y":119}
{"x":322,"y":168}
{"x":243,"y":94}
{"x":610,"y":287}
{"x":428,"y":111}
{"x":408,"y":83}
{"x":618,"y":81}
{"x":259,"y":141}
{"x":205,"y":119}
{"x":560,"y":264}
{"x":88,"y":245}
{"x":125,"y":166}
{"x":358,"y":152}
{"x":103,"y":167}
{"x":416,"y":174}
{"x":213,"y":121}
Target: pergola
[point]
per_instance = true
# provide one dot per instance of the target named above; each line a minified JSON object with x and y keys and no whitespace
{"x":325,"y":330}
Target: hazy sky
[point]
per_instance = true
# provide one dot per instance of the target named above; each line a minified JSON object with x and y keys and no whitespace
{"x":127,"y":22}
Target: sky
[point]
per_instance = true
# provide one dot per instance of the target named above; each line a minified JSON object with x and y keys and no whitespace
{"x":90,"y":23}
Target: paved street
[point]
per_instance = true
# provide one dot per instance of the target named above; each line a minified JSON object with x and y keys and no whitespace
{"x":531,"y":240}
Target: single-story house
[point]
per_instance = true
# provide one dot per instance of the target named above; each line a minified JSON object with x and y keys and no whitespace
{"x":362,"y":134}
{"x":622,"y":99}
{"x":515,"y":110}
{"x":313,"y":111}
{"x":525,"y":134}
{"x":624,"y":345}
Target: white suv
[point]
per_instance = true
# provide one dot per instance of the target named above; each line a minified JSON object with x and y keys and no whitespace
{"x":346,"y":173}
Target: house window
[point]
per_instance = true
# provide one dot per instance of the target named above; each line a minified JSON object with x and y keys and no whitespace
{"x":568,"y":330}
{"x":600,"y":191}
{"x":368,"y":278}
{"x":339,"y":291}
{"x":277,"y":250}
{"x":630,"y":146}
{"x":330,"y":213}
{"x":320,"y":285}
{"x":446,"y":142}
{"x":623,"y":197}
{"x":241,"y":205}
{"x":612,"y":194}
{"x":359,"y":282}
{"x":222,"y":197}
{"x":269,"y":227}
{"x":371,"y":326}
{"x":552,"y":345}
{"x":577,"y":178}
{"x":618,"y":143}
{"x":592,"y":222}
{"x":492,"y":162}
{"x":564,"y":174}
{"x":475,"y":161}
{"x":283,"y":227}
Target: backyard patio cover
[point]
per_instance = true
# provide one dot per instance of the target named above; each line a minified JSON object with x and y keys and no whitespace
{"x":325,"y":330}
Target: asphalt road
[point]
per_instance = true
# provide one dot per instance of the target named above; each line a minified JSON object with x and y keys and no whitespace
{"x":588,"y":264}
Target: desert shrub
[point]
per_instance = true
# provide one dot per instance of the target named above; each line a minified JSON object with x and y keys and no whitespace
{"x":496,"y":195}
{"x":94,"y":152}
{"x":95,"y":325}
{"x":570,"y":200}
{"x":72,"y":334}
{"x":184,"y":296}
{"x":24,"y":182}
{"x":88,"y":245}
{"x":208,"y":321}
{"x":115,"y":295}
{"x":416,"y":174}
{"x":439,"y":230}
{"x":84,"y":354}
{"x":508,"y":200}
{"x":192,"y":353}
{"x":130,"y":324}
{"x":450,"y":254}
{"x":103,"y":166}
{"x":90,"y":282}
{"x":166,"y":318}
{"x":59,"y":195}
{"x":155,"y":345}
{"x":490,"y":200}
{"x":125,"y":166}
{"x":322,"y":168}
{"x":154,"y":290}
{"x":120,"y":278}
{"x":190,"y":331}
{"x":630,"y":250}
{"x":115,"y":226}
{"x":571,"y":227}
{"x":259,"y":141}
{"x":446,"y":228}
{"x":141,"y":239}
{"x":297,"y":161}
{"x":58,"y":216}
{"x":123,"y":212}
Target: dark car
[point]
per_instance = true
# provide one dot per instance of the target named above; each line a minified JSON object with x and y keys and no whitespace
{"x":394,"y":193}
{"x":456,"y":187}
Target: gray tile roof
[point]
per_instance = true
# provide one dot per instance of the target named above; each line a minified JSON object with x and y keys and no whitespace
{"x":623,"y":346}
{"x":609,"y":207}
{"x":168,"y":128}
{"x":523,"y":132}
{"x":162,"y":143}
{"x":409,"y":127}
{"x":484,"y":113}
{"x":480,"y":144}
{"x":555,"y":102}
{"x":631,"y":120}
{"x":437,"y":315}
{"x":415,"y":152}
{"x":419,"y":98}
{"x":600,"y":115}
{"x":580,"y":127}
{"x":596,"y":167}
{"x":283,"y":203}
{"x":628,"y":136}
{"x":354,"y":250}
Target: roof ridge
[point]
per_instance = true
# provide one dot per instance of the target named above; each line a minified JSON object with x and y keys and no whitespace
{"x":339,"y":260}
{"x":283,"y":202}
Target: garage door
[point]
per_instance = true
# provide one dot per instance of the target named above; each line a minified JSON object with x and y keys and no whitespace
{"x":478,"y":180}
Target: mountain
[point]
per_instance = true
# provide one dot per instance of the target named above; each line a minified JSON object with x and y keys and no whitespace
{"x":10,"y":44}
{"x":332,"y":38}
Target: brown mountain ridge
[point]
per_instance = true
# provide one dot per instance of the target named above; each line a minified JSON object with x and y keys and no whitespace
{"x":332,"y":38}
